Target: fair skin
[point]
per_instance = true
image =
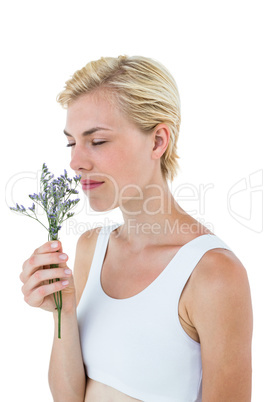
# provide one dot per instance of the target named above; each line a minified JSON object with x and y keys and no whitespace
{"x":213,"y":309}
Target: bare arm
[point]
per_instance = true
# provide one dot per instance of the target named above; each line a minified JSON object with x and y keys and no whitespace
{"x":222,"y":315}
{"x":66,"y":370}
{"x":67,"y":377}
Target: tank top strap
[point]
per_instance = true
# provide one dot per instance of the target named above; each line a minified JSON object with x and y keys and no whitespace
{"x":186,"y":259}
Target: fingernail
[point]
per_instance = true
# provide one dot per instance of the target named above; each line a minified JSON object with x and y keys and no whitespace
{"x":54,"y":244}
{"x":63,"y":257}
{"x":65,"y":283}
{"x":67,"y":271}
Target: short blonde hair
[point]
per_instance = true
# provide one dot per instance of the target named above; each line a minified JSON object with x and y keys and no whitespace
{"x":144,"y":90}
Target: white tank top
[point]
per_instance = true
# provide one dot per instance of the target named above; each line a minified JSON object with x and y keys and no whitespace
{"x":137,"y":345}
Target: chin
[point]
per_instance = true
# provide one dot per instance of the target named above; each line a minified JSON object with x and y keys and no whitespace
{"x":99,"y":205}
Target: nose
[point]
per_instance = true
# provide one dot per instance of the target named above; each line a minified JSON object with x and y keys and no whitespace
{"x":80,"y":160}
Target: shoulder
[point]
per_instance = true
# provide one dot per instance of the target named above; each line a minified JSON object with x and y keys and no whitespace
{"x":83,"y":259}
{"x":221,"y":297}
{"x":219,"y":275}
{"x":86,"y":246}
{"x":220,"y":269}
{"x":87,"y":238}
{"x":222,"y":315}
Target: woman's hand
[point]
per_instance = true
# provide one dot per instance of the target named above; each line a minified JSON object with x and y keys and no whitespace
{"x":36,"y":273}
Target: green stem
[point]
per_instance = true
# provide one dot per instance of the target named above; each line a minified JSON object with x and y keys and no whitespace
{"x":58,"y":302}
{"x":59,"y":322}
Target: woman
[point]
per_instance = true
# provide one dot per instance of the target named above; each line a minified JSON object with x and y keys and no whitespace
{"x":157,"y":309}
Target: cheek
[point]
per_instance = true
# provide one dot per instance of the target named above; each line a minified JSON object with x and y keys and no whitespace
{"x":127,"y":163}
{"x":131,"y":177}
{"x":127,"y":168}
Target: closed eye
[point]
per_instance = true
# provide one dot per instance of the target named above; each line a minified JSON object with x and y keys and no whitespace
{"x":98,"y":143}
{"x":93,"y":143}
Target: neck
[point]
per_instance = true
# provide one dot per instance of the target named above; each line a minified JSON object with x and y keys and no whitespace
{"x":150,"y":215}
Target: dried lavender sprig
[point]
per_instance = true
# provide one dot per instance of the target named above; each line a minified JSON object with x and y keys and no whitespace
{"x":54,"y":199}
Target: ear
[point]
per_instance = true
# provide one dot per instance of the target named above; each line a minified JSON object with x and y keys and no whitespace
{"x":161,"y":136}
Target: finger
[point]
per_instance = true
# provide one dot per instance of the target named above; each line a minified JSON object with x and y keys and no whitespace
{"x":36,"y":297}
{"x":49,"y":246}
{"x":43,"y":275}
{"x":37,"y":261}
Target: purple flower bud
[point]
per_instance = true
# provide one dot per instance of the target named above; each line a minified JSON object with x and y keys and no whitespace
{"x":32,"y":208}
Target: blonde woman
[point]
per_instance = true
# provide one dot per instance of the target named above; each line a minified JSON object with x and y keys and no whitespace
{"x":157,"y":309}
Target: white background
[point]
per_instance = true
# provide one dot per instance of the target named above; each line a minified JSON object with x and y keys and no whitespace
{"x":217,"y":52}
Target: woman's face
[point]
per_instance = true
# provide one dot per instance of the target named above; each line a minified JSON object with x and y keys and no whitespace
{"x":110,"y":153}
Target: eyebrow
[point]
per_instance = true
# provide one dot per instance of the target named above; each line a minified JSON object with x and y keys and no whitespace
{"x":88,"y":132}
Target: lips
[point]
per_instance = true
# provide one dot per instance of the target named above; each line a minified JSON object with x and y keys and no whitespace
{"x":90,"y":184}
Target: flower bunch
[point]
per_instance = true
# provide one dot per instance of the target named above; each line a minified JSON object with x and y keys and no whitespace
{"x":54,"y":199}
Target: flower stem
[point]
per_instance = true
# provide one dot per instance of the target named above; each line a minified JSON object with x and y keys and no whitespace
{"x":59,"y":323}
{"x":58,"y":302}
